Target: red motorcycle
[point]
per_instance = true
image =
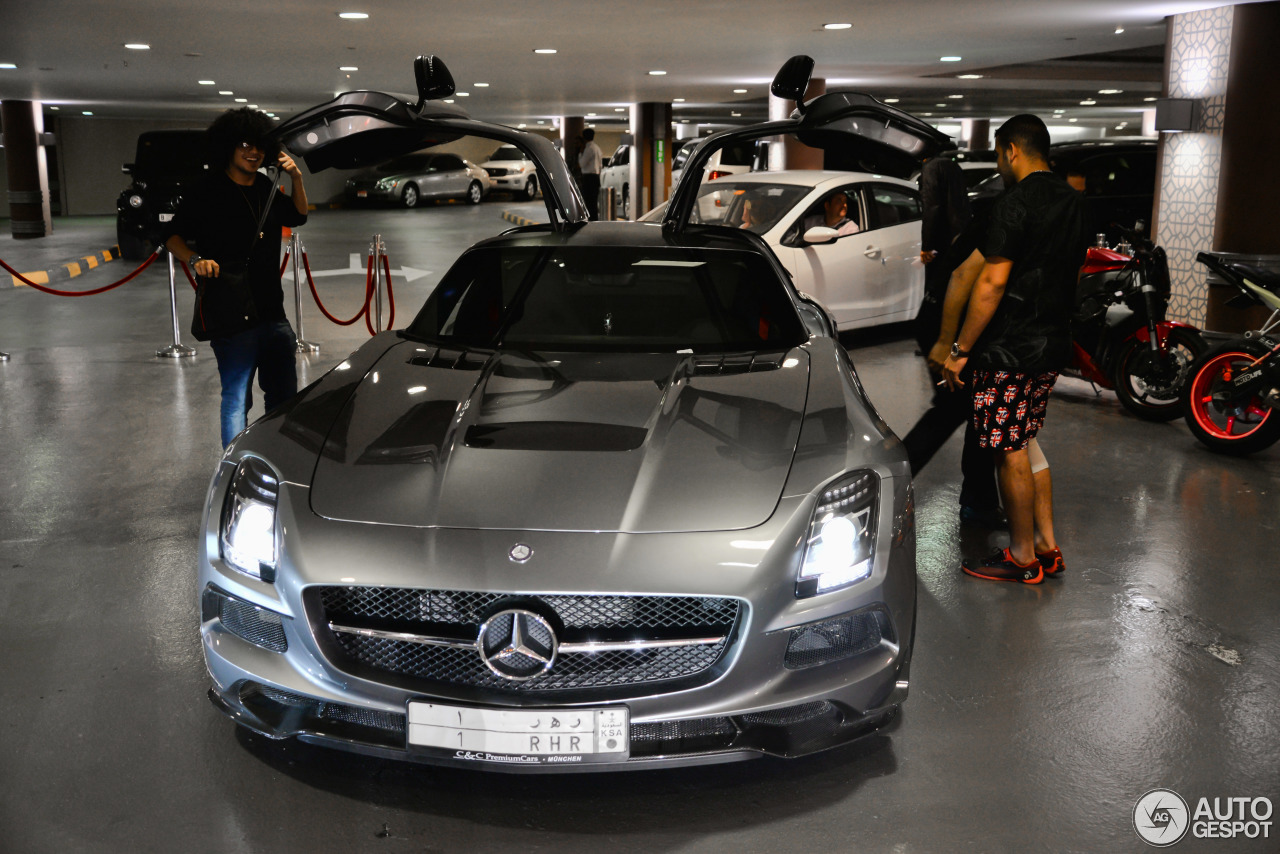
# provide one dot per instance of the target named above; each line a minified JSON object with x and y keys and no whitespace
{"x":1122,"y":340}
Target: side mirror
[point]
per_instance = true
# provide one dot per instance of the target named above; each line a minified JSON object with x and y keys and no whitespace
{"x":792,"y":80}
{"x":820,"y":235}
{"x":433,"y":78}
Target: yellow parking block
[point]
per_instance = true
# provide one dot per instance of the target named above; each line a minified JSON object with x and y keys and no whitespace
{"x":73,"y":268}
{"x":40,"y":277}
{"x":91,"y":261}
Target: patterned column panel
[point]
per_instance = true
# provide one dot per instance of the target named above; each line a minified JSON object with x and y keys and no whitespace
{"x":1199,"y":56}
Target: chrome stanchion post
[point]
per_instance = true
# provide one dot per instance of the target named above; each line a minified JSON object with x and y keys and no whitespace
{"x":378,"y":250}
{"x":176,"y":350}
{"x":295,"y":249}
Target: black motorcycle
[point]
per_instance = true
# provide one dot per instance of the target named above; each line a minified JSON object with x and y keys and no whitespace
{"x":1122,"y":340}
{"x":1232,"y":400}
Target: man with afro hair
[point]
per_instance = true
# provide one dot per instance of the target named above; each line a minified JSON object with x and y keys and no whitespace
{"x":230,"y":223}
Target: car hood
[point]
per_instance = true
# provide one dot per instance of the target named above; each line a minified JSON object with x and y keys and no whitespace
{"x":572,"y":442}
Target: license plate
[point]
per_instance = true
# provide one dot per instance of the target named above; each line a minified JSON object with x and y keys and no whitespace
{"x":168,"y":217}
{"x":520,"y":736}
{"x":362,"y":194}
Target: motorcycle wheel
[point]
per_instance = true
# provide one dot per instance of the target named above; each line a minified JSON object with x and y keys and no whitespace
{"x":1225,"y":421}
{"x":1151,"y":387}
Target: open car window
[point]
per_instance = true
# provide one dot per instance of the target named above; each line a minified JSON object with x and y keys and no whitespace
{"x":752,"y":205}
{"x":611,"y":299}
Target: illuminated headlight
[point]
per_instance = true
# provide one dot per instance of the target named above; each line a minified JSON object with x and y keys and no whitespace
{"x":135,"y":201}
{"x":388,"y":184}
{"x":840,"y":549}
{"x":248,"y":531}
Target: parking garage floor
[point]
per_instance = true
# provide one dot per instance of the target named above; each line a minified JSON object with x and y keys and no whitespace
{"x":1037,"y":716}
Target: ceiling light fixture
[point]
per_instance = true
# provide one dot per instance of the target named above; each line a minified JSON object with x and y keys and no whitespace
{"x":481,"y":85}
{"x":739,"y":91}
{"x":1110,"y":91}
{"x":138,"y":46}
{"x":837,"y":26}
{"x":657,"y":73}
{"x":619,"y":109}
{"x":891,"y":100}
{"x":969,"y":77}
{"x":206,"y":82}
{"x":1150,"y":99}
{"x":1119,"y":30}
{"x":677,"y":100}
{"x":950,"y":58}
{"x":521,"y":126}
{"x":955,"y":96}
{"x":1088,"y":103}
{"x":242,"y":100}
{"x":448,"y":100}
{"x":253,"y":106}
{"x":926,"y":114}
{"x":545,"y":50}
{"x":542,"y":121}
{"x":353,"y":16}
{"x":7,"y":65}
{"x":225,"y":92}
{"x":591,"y":115}
{"x":939,"y":105}
{"x":1073,"y":120}
{"x":462,"y":94}
{"x":348,"y":68}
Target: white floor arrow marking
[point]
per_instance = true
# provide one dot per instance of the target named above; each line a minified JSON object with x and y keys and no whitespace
{"x":359,"y":264}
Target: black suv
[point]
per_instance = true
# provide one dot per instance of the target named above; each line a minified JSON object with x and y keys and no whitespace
{"x":165,"y":163}
{"x":1119,"y":181}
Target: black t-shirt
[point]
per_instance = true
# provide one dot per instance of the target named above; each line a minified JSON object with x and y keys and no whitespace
{"x":219,"y":218}
{"x":1039,"y":225}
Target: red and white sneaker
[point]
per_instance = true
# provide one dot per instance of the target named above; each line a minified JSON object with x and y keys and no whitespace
{"x":1051,"y":562}
{"x":1000,"y":566}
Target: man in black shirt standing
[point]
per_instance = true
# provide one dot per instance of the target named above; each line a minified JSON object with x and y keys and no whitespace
{"x":1017,"y":331}
{"x":223,"y":217}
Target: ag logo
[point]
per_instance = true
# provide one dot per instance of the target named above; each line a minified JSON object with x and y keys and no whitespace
{"x":1161,"y":817}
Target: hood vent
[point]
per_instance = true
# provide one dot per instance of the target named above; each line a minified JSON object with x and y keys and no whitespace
{"x":736,"y":363}
{"x":443,"y":357}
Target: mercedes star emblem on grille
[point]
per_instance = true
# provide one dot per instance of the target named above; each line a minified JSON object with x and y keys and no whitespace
{"x":517,"y":644}
{"x":520,"y":553}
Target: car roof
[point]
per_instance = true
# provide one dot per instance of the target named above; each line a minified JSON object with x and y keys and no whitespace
{"x":808,"y":178}
{"x":624,"y":233}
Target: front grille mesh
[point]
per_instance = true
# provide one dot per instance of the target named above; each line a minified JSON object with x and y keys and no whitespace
{"x":322,"y":709}
{"x":582,"y":618}
{"x":256,"y":625}
{"x":837,"y":639}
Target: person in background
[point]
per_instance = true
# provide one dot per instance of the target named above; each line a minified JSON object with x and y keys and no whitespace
{"x":1017,"y":332}
{"x":590,"y":161}
{"x":220,"y":215}
{"x":834,"y":214}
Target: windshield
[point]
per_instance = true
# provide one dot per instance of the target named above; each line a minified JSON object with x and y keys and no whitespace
{"x":505,"y":153}
{"x":611,"y":299}
{"x":753,"y":205}
{"x":170,"y":156}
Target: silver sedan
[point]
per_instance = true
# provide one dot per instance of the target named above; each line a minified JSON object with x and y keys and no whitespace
{"x":409,"y":179}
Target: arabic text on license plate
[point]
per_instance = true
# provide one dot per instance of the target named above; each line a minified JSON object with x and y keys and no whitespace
{"x":520,"y":736}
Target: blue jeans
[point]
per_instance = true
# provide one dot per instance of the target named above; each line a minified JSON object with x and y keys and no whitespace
{"x":268,"y":350}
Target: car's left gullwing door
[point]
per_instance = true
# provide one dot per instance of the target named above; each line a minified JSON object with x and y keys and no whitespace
{"x":358,"y":129}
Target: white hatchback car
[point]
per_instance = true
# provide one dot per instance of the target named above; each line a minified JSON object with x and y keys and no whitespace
{"x":863,"y":277}
{"x":512,"y":171}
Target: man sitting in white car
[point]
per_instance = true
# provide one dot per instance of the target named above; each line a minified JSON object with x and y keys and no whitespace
{"x":834,"y":214}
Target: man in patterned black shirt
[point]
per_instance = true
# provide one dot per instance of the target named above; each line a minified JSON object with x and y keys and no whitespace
{"x":1017,"y":331}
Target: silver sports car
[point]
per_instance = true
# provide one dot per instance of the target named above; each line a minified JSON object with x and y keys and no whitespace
{"x":614,"y":499}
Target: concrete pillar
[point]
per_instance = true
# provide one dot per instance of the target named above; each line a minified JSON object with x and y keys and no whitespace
{"x":650,"y":156}
{"x":1216,"y":189}
{"x":28,"y":171}
{"x":571,"y":128}
{"x":793,"y":154}
{"x":978,"y":137}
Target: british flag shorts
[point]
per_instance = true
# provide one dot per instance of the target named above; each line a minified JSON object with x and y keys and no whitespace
{"x":1008,"y":407}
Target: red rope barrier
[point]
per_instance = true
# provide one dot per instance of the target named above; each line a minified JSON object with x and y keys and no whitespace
{"x":391,"y":297}
{"x":104,"y":288}
{"x":369,"y":287}
{"x":368,"y":292}
{"x":284,"y":263}
{"x":183,"y":265}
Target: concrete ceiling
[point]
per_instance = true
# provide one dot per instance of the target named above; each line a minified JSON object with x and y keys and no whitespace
{"x":285,"y":55}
